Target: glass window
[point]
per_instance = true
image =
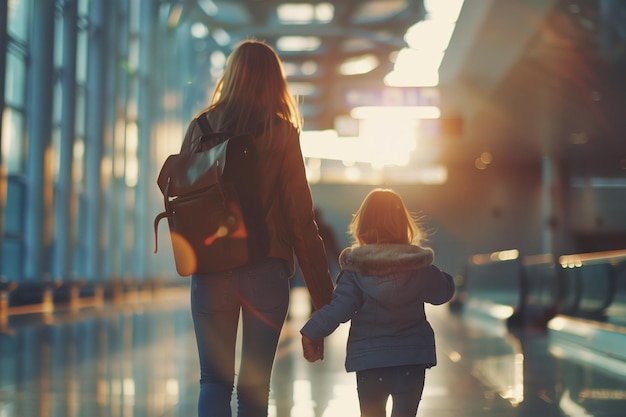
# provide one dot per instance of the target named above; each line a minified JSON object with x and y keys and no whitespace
{"x":77,"y":170}
{"x":12,"y":140}
{"x":58,"y":40}
{"x":13,"y":119}
{"x":56,"y":143}
{"x":57,"y":100}
{"x":17,"y":18}
{"x":81,"y":56}
{"x":11,"y":251}
{"x":14,"y":91}
{"x":80,"y":111}
{"x":134,"y":16}
{"x":83,"y":7}
{"x":133,"y":54}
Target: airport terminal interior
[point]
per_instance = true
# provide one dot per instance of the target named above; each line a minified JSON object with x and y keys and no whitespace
{"x":501,"y":123}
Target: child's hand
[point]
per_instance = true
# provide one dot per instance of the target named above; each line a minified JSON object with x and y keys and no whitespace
{"x":313,"y":349}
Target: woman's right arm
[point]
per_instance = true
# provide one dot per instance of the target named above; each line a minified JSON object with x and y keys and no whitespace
{"x":297,"y":206}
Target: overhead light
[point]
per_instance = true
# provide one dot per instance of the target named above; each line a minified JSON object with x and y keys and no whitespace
{"x":298,"y":43}
{"x":218,"y":59}
{"x":378,"y":10}
{"x":199,"y":30}
{"x":324,"y":12}
{"x":208,"y":7}
{"x":396,"y":112}
{"x":359,"y":65}
{"x":290,"y":68}
{"x":305,"y":13}
{"x":221,"y":36}
{"x":500,"y":256}
{"x":295,"y":13}
{"x":306,"y":68}
{"x":302,"y":88}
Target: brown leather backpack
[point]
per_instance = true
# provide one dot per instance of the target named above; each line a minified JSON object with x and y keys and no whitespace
{"x":212,"y":204}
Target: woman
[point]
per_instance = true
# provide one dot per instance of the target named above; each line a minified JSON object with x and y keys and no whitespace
{"x":385,"y":279}
{"x":252,"y":97}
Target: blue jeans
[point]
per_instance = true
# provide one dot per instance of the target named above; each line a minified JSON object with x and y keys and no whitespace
{"x":404,"y":383}
{"x":260,"y":292}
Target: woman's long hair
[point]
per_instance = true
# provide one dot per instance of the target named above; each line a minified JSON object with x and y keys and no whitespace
{"x":252,"y":92}
{"x":383,"y":218}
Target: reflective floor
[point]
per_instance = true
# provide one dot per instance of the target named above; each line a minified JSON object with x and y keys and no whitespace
{"x":139,"y":359}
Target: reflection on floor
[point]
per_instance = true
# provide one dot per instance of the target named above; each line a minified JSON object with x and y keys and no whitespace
{"x":139,"y":359}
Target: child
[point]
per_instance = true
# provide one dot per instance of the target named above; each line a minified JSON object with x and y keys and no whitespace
{"x":385,"y":279}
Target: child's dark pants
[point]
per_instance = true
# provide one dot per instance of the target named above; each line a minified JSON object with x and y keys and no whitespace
{"x":404,"y":383}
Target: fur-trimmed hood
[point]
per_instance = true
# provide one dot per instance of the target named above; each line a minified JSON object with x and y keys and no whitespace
{"x":384,"y":259}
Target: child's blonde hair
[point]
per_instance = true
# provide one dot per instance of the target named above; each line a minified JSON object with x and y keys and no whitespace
{"x":383,"y":218}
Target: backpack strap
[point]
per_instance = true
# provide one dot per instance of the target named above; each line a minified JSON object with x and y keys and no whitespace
{"x":157,"y":219}
{"x":208,"y":137}
{"x":203,"y":122}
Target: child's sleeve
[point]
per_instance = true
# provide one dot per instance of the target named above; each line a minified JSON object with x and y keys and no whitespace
{"x":439,"y":288}
{"x":345,"y":302}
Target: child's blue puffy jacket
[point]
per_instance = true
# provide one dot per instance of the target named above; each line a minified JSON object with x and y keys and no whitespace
{"x":382,"y":289}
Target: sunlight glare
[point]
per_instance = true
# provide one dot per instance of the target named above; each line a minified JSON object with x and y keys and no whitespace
{"x":395,"y":149}
{"x":443,"y":11}
{"x":415,"y":68}
{"x":418,"y":65}
{"x":388,"y":144}
{"x":428,"y":35}
{"x":352,"y":173}
{"x":343,"y":402}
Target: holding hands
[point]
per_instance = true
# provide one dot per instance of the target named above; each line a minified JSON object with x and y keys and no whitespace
{"x":313,"y":349}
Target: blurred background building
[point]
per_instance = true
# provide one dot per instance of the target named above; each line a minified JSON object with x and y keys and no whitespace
{"x":502,"y":123}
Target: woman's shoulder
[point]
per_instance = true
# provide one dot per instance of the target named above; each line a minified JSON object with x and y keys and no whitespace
{"x":285,"y":127}
{"x":282,"y":135}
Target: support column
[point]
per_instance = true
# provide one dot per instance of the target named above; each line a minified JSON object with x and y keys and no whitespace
{"x":146,"y":112}
{"x":555,"y":230}
{"x":94,"y":127}
{"x":109,"y":186}
{"x":39,"y":183}
{"x":117,"y":194}
{"x":3,"y":170}
{"x":65,"y":190}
